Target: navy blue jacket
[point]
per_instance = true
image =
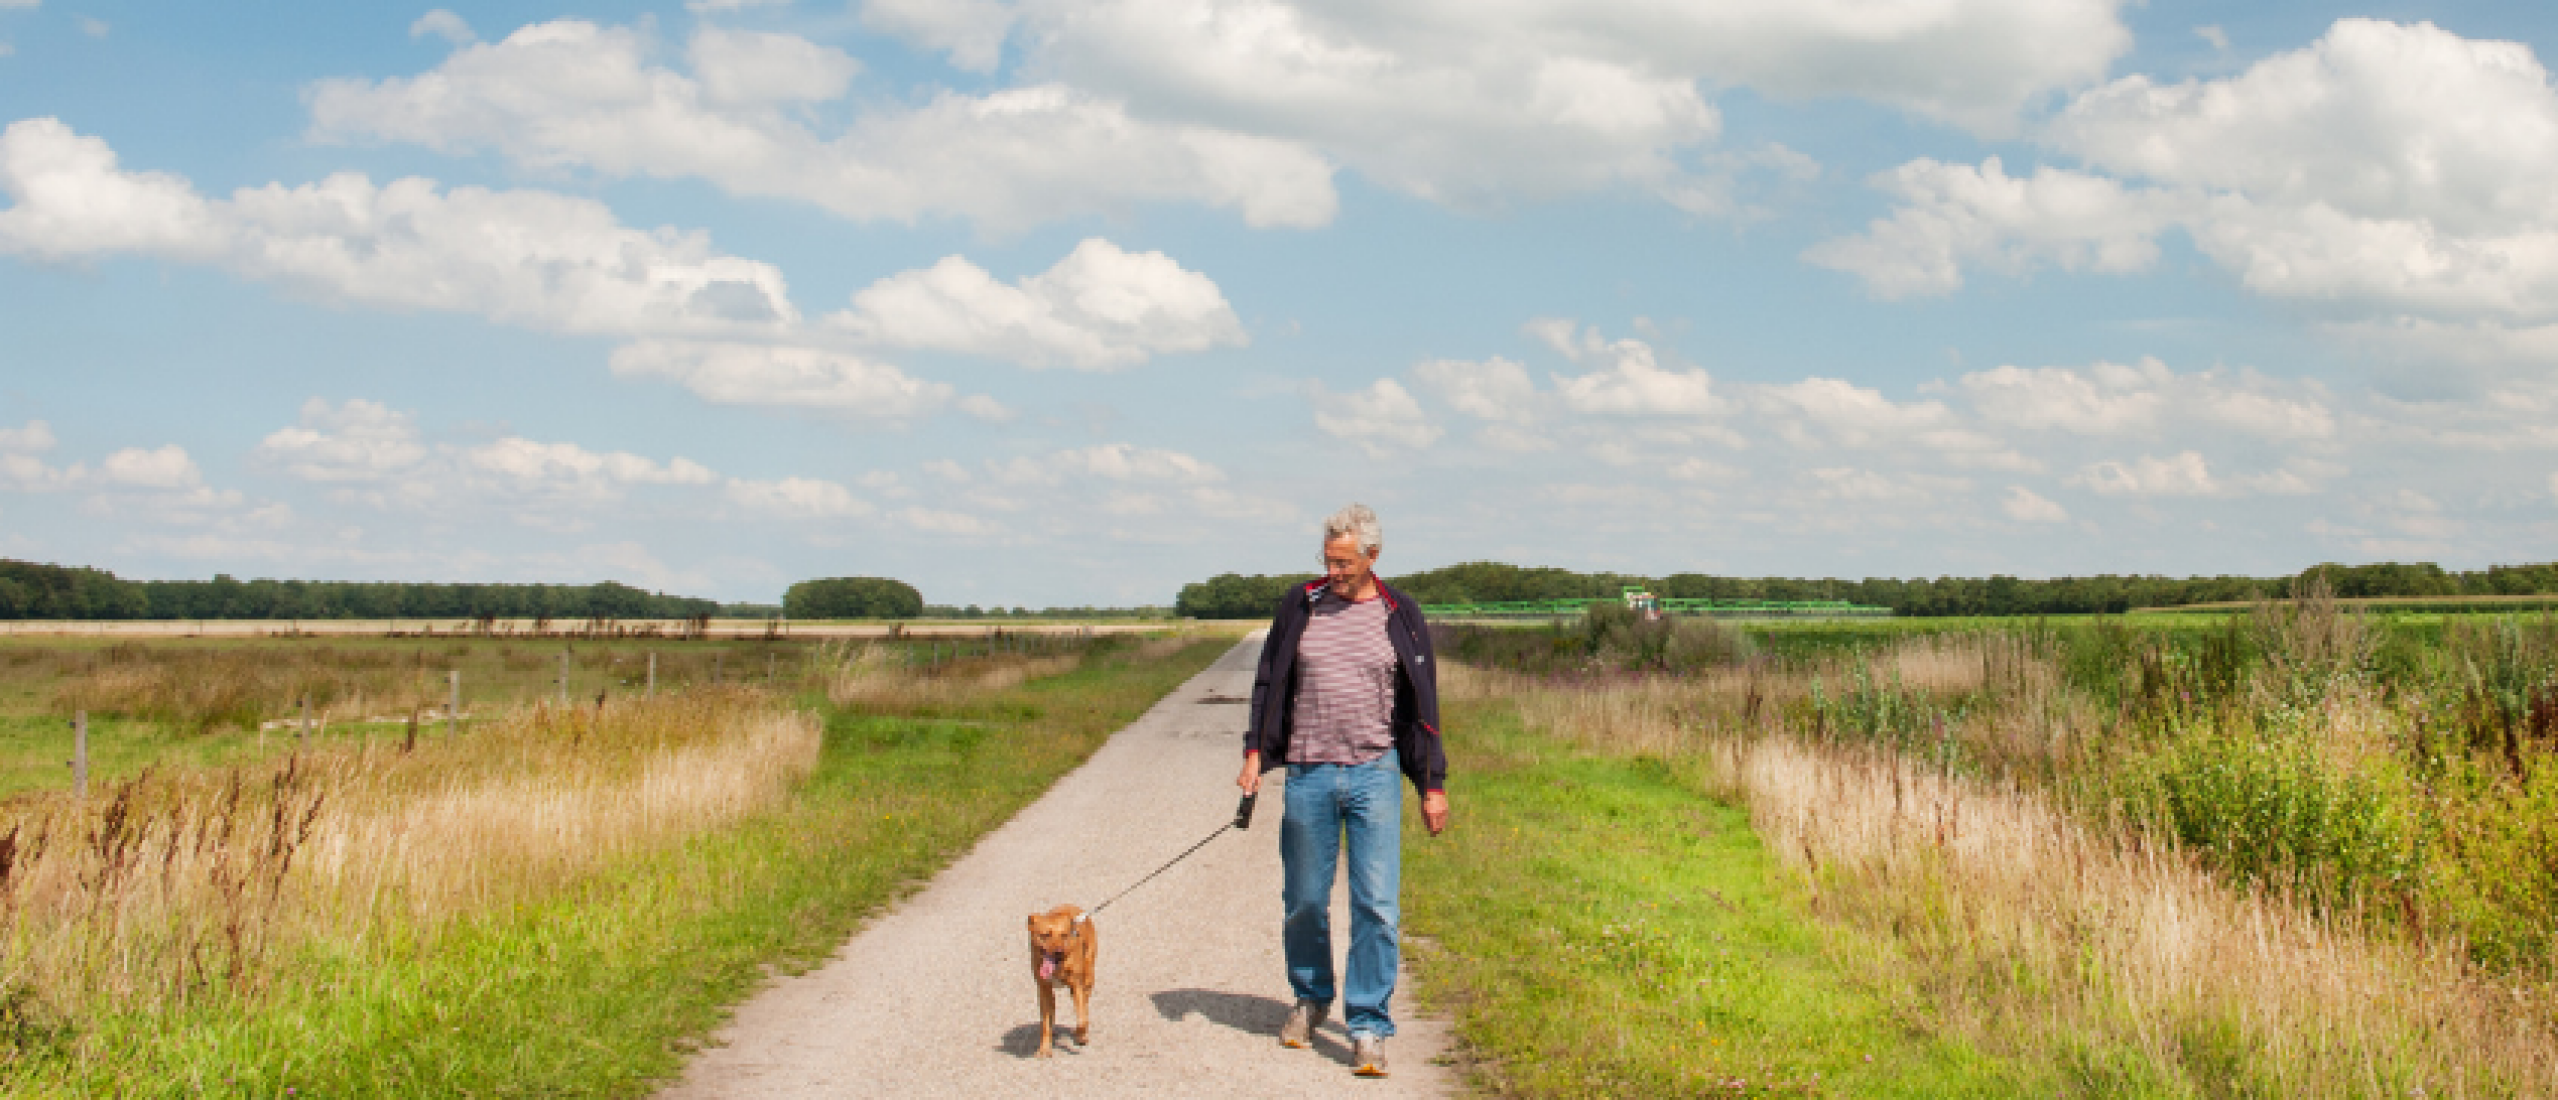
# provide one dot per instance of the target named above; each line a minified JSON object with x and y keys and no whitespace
{"x":1416,"y":687}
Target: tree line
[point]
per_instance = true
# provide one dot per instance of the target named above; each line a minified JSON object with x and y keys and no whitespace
{"x":1236,"y":596}
{"x":31,"y":590}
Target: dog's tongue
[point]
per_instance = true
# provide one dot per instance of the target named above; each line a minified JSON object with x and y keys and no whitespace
{"x":1047,"y":967}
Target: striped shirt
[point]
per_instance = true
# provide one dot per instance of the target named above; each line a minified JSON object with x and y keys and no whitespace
{"x":1345,"y":683}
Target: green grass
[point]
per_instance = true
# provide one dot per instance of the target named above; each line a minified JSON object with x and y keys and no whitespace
{"x":1600,"y":928}
{"x":601,"y":990}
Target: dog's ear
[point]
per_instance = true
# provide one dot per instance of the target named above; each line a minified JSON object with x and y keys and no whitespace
{"x":1034,"y":922}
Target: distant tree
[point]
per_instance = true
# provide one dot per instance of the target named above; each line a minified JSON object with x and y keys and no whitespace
{"x":852,"y":598}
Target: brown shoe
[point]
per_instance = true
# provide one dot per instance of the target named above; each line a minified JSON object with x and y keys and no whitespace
{"x":1368,"y":1052}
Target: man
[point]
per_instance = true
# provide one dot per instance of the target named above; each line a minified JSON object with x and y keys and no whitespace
{"x":1347,"y":696}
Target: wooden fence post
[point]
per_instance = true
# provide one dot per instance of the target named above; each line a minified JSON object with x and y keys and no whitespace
{"x":453,"y":709}
{"x":652,"y":674}
{"x":80,"y":754}
{"x":563,"y":677}
{"x":302,"y":737}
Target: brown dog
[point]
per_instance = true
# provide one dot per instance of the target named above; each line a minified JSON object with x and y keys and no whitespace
{"x":1063,"y":945}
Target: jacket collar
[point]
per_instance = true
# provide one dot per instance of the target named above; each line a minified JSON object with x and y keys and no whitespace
{"x":1314,"y":588}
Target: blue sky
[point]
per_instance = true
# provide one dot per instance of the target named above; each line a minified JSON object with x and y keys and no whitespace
{"x":1041,"y":303}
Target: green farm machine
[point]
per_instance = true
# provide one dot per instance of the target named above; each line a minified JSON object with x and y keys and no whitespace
{"x":1651,"y":606}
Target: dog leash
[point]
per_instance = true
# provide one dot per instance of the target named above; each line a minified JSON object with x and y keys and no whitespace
{"x":1243,"y":820}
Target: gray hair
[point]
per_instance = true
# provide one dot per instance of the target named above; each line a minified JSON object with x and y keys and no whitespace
{"x":1358,"y":521}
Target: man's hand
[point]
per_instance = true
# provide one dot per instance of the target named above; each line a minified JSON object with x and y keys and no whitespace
{"x":1250,"y":780}
{"x":1434,"y":811}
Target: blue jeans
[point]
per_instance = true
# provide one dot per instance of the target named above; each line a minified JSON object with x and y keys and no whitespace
{"x":1325,"y":804}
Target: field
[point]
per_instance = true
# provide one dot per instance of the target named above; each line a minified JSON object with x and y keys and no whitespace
{"x":2301,"y":849}
{"x":2293,"y":851}
{"x":552,"y":901}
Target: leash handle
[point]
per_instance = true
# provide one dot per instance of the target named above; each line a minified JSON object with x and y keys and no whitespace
{"x":1243,"y":811}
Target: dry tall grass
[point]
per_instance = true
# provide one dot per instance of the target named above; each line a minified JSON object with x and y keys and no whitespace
{"x":2034,"y":934}
{"x":885,"y":675}
{"x":172,"y":884}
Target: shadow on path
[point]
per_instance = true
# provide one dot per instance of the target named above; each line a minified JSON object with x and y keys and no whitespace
{"x":1023,"y":1041}
{"x":1251,"y":1015}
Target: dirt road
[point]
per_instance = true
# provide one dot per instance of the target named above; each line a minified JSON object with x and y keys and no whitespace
{"x":935,"y":999}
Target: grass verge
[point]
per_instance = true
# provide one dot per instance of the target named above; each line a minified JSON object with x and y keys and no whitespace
{"x":1599,"y":927}
{"x":600,"y":988}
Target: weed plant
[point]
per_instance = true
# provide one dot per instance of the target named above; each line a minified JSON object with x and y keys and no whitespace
{"x":559,"y":902}
{"x":2296,"y":851}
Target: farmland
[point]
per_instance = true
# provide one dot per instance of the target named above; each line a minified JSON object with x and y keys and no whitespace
{"x":551,"y":900}
{"x":2296,"y":850}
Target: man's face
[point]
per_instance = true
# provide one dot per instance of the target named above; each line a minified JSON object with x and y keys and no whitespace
{"x":1345,"y":567}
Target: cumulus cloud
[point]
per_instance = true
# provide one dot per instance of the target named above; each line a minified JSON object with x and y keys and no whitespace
{"x":2384,"y":167}
{"x":529,"y":258}
{"x":442,"y":23}
{"x":783,"y":376}
{"x":1635,"y":384}
{"x":1495,"y":389}
{"x":1244,"y":104}
{"x":1100,"y":307}
{"x":1118,"y":462}
{"x":797,"y":498}
{"x":1954,"y":215}
{"x":164,"y":467}
{"x":2145,"y":398}
{"x":2026,"y":506}
{"x":571,"y":473}
{"x":2184,"y":474}
{"x":355,"y":441}
{"x":35,"y":438}
{"x":1381,"y":418}
{"x":575,"y":94}
{"x":970,"y":33}
{"x":741,"y":68}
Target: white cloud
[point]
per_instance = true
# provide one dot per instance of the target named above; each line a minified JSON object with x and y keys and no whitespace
{"x":6,"y":4}
{"x":529,"y":258}
{"x":1118,"y":462}
{"x":35,"y":438}
{"x":2384,"y":167}
{"x":1698,"y":469}
{"x":1850,"y":414}
{"x":1248,"y":104}
{"x":573,"y":94}
{"x":1382,"y":418}
{"x":2026,"y":506}
{"x":2182,"y":474}
{"x":1100,"y":307}
{"x":783,"y":376}
{"x":2213,"y":34}
{"x":707,"y":6}
{"x":2146,"y":398}
{"x":1852,"y":485}
{"x":1495,"y":389}
{"x":2553,"y":484}
{"x":970,"y":32}
{"x":571,"y":473}
{"x":1952,"y":215}
{"x":740,"y":68}
{"x":797,"y":498}
{"x":93,"y":26}
{"x":937,"y":521}
{"x":31,"y":474}
{"x":1637,"y":385}
{"x":443,"y":24}
{"x":164,"y":467}
{"x":356,"y":441}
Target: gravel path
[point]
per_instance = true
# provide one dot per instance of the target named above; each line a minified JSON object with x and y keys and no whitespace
{"x":934,"y":998}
